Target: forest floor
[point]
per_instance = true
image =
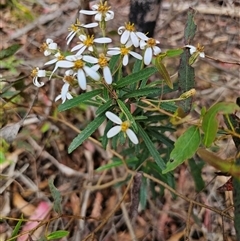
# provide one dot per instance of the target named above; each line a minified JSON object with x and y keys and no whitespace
{"x":39,"y":152}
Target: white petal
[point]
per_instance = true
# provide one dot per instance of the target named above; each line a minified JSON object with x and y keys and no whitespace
{"x":88,"y":12}
{"x":107,"y":75}
{"x":148,"y":56}
{"x":82,"y":37}
{"x":65,"y":88}
{"x":132,"y":136}
{"x":134,"y":39}
{"x":90,"y":59}
{"x":102,"y":40}
{"x":95,"y":67}
{"x":136,"y":55}
{"x":90,"y":25}
{"x":36,"y":83}
{"x":41,"y":73}
{"x":58,"y":98}
{"x":69,"y":96}
{"x":142,"y":44}
{"x":156,"y":50}
{"x":114,"y":118}
{"x":113,"y":52}
{"x":109,"y":15}
{"x":98,"y":17}
{"x":80,"y":51}
{"x":121,"y":30}
{"x":49,"y":41}
{"x":93,"y":74}
{"x":125,"y":60}
{"x":113,"y":131}
{"x":51,"y":61}
{"x":82,"y":79}
{"x":77,"y":47}
{"x":64,"y":64}
{"x":202,"y":55}
{"x":69,"y":72}
{"x":47,"y":52}
{"x":125,"y":36}
{"x":52,"y":46}
{"x":142,"y":36}
{"x":128,"y":44}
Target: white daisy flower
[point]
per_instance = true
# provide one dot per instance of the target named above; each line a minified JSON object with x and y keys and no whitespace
{"x":101,"y":11}
{"x":75,"y":28}
{"x":37,"y":73}
{"x":49,"y":47}
{"x":121,"y":126}
{"x":68,"y":80}
{"x":103,"y":64}
{"x":87,"y":42}
{"x":198,"y":49}
{"x":124,"y":52}
{"x":58,"y":56}
{"x":76,"y":62}
{"x":128,"y":33}
{"x":150,"y":49}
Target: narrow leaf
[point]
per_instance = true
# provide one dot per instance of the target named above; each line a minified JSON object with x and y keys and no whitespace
{"x":163,"y":71}
{"x":219,"y":163}
{"x":184,"y":148}
{"x":135,"y":77}
{"x":151,"y":148}
{"x":174,"y":52}
{"x":9,"y":51}
{"x":16,"y":229}
{"x":210,"y":121}
{"x":103,"y":108}
{"x":78,"y":100}
{"x":88,"y":131}
{"x":57,"y":234}
{"x":56,"y":196}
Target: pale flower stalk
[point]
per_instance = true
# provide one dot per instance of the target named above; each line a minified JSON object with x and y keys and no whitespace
{"x":121,"y":126}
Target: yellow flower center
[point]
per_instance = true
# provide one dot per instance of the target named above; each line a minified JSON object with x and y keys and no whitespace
{"x":78,"y":64}
{"x":89,"y":41}
{"x":43,"y":47}
{"x":200,"y":48}
{"x":73,"y":28}
{"x":34,"y":72}
{"x":125,"y":125}
{"x":124,"y":51}
{"x":103,"y":8}
{"x":60,"y":57}
{"x":69,"y":79}
{"x":151,"y":42}
{"x":102,"y":60}
{"x":130,"y":27}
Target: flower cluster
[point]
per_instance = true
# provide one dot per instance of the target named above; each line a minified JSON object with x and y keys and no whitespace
{"x":89,"y":58}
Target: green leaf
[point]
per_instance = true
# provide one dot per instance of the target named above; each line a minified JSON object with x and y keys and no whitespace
{"x":88,"y":131}
{"x":128,"y":114}
{"x":151,"y":148}
{"x":223,"y":165}
{"x":16,"y":229}
{"x":116,"y":163}
{"x":184,"y":148}
{"x":163,"y":71}
{"x":9,"y":51}
{"x":57,"y":234}
{"x":78,"y":100}
{"x":113,"y":61}
{"x":103,"y":108}
{"x":196,"y":172}
{"x":143,"y":92}
{"x":210,"y":121}
{"x":190,"y":28}
{"x":135,"y":77}
{"x":186,"y":81}
{"x":174,"y":52}
{"x":56,"y":196}
{"x":143,"y":193}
